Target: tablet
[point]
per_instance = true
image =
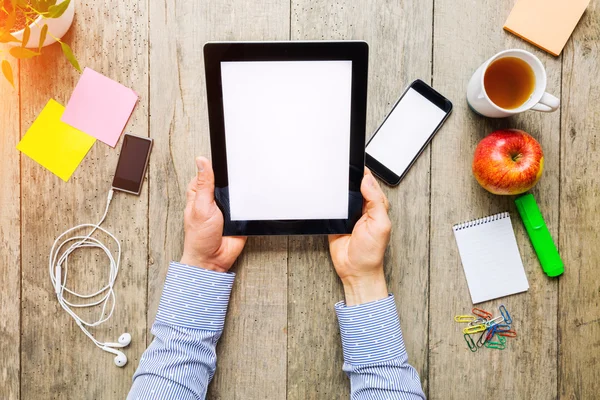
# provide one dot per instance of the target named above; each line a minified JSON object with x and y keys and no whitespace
{"x":287,"y":132}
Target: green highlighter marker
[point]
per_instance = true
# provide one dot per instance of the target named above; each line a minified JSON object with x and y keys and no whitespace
{"x":540,"y":235}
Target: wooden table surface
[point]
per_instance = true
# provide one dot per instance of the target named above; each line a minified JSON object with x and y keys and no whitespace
{"x":281,"y":338}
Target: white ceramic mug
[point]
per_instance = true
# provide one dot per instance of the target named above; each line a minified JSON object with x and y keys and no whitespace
{"x":480,"y":102}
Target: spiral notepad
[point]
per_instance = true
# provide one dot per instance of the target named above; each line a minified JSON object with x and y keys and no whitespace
{"x":490,"y":257}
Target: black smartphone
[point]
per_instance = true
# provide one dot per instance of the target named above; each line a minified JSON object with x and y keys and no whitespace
{"x":132,"y":164}
{"x":406,"y":131}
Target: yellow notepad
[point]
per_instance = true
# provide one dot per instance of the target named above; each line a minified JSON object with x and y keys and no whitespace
{"x":545,"y":23}
{"x":55,"y":145}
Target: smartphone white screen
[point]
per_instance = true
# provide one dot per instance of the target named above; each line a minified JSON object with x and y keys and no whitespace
{"x":405,"y":131}
{"x":287,"y":137}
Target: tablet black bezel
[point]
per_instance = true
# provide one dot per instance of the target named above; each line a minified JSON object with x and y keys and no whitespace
{"x":355,"y":51}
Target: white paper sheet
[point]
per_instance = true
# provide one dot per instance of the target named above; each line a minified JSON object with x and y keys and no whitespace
{"x":490,"y":257}
{"x":287,"y":133}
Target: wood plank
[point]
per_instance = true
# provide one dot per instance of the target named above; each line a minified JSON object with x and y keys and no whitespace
{"x":255,"y":328}
{"x":252,"y":354}
{"x":466,"y":34}
{"x":10,"y":238}
{"x":579,"y":287}
{"x":57,"y":359}
{"x":399,"y":35}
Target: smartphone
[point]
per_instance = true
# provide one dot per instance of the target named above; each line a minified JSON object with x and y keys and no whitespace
{"x":132,"y":164}
{"x":406,"y":131}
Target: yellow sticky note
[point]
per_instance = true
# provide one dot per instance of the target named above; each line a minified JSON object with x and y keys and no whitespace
{"x":55,"y":145}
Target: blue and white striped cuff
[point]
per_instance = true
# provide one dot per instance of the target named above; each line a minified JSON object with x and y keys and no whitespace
{"x":370,"y":332}
{"x":195,"y":298}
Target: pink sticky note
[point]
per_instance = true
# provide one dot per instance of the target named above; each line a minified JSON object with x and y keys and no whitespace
{"x":100,"y":107}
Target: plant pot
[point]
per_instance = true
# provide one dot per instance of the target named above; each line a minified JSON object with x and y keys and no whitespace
{"x":57,"y":27}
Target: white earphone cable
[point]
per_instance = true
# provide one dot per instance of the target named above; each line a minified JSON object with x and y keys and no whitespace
{"x":58,"y":268}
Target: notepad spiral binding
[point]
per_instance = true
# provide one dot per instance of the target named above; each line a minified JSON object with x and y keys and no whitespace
{"x":484,"y":220}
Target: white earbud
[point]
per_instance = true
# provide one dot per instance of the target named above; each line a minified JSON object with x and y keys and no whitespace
{"x":123,"y":340}
{"x":64,"y":245}
{"x":120,"y":359}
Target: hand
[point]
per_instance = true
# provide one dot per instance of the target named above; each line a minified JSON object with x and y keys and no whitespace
{"x":358,"y":258}
{"x":204,"y":244}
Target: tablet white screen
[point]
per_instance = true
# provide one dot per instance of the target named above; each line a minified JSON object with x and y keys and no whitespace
{"x":287,"y":135}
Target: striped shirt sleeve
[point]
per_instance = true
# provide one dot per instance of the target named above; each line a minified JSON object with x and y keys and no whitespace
{"x":375,"y":358}
{"x":181,"y":360}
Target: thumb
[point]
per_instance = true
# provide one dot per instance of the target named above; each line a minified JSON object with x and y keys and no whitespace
{"x":205,"y":184}
{"x":376,"y":204}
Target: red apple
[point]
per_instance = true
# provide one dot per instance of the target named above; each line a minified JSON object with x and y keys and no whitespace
{"x":508,"y":161}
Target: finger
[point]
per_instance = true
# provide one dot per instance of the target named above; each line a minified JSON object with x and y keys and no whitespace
{"x":369,"y":173}
{"x":376,"y":204}
{"x":333,"y":238}
{"x":205,"y":184}
{"x":338,"y":243}
{"x":238,"y":243}
{"x":241,"y":239}
{"x":190,"y":193}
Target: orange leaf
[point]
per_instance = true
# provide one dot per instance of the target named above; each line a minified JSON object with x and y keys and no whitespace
{"x":7,"y":71}
{"x":6,"y":37}
{"x":10,"y":20}
{"x":22,"y":53}
{"x":42,"y":37}
{"x":26,"y":34}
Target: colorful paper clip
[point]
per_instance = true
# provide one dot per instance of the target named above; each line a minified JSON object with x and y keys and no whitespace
{"x":494,"y":321}
{"x":502,"y":327}
{"x":482,"y":313}
{"x":464,"y":318}
{"x":477,"y":321}
{"x":509,"y":333}
{"x":495,"y":345}
{"x":470,"y":343}
{"x":501,"y":342}
{"x":482,"y":338}
{"x":490,"y":333}
{"x":474,"y":329}
{"x":495,"y":331}
{"x":505,"y":314}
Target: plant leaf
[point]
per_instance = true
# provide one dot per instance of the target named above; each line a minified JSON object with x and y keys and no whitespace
{"x":6,"y":37}
{"x":26,"y":34}
{"x":7,"y":71}
{"x":24,"y":4}
{"x":37,"y":5}
{"x":42,"y":5}
{"x":22,"y":53}
{"x":10,"y":20}
{"x":70,"y":56}
{"x":56,"y":11}
{"x":42,"y":37}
